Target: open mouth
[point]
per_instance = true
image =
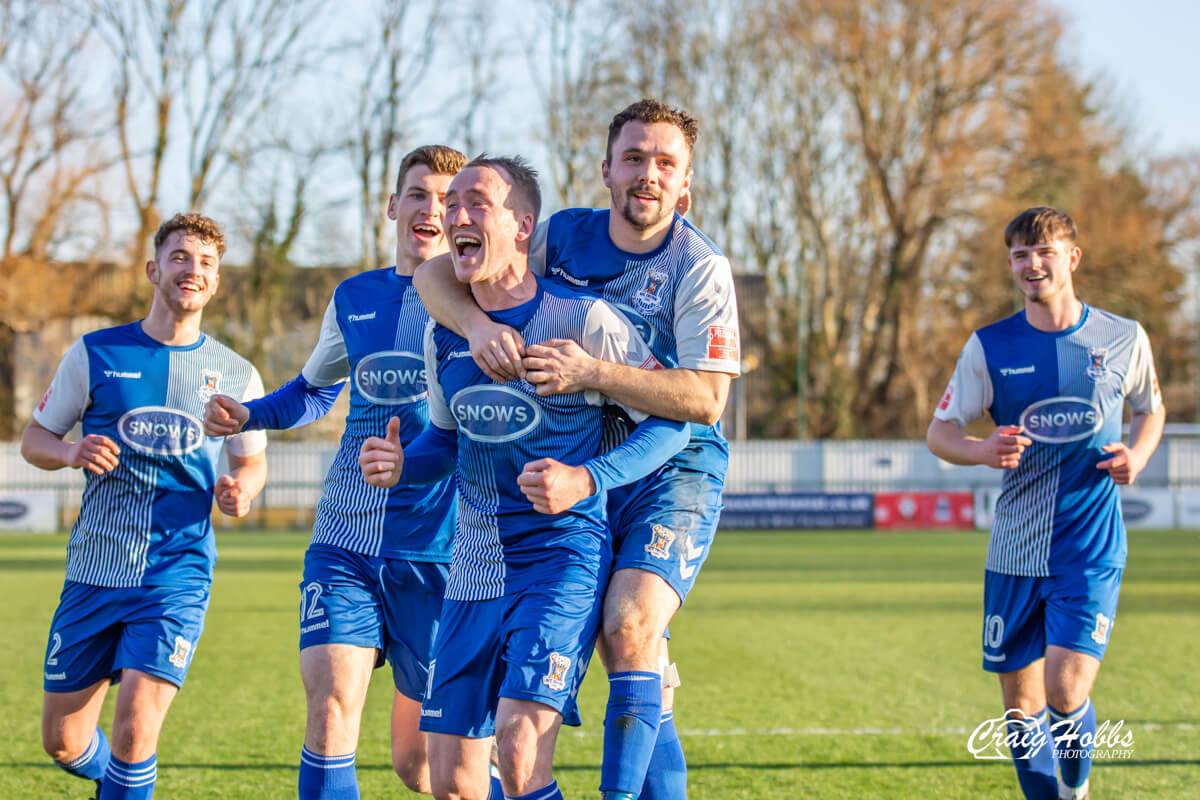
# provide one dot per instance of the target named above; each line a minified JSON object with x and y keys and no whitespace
{"x":427,"y":232}
{"x":190,"y":286}
{"x":467,"y":245}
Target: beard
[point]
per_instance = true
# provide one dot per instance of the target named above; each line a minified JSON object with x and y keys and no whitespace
{"x":644,"y":219}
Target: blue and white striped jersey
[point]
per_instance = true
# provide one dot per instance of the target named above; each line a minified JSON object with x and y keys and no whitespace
{"x":147,"y":522}
{"x":502,"y":545}
{"x":1066,"y":389}
{"x":373,"y":334}
{"x":679,"y":296}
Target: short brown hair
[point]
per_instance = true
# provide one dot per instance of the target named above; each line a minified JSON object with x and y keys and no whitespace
{"x":648,"y":111}
{"x":197,"y":224}
{"x":440,"y":159}
{"x":521,"y":175}
{"x":1041,"y":224}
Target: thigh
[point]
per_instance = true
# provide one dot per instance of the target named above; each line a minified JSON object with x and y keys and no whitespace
{"x":1080,"y":610}
{"x":551,"y":635}
{"x":69,"y":719}
{"x":1014,"y":624}
{"x":459,"y":765}
{"x":339,"y":599}
{"x":411,"y":594}
{"x":665,"y":524}
{"x":466,"y":669}
{"x":142,"y":704}
{"x":161,"y":631}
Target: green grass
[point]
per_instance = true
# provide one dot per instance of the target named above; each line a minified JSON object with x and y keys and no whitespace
{"x":786,"y":634}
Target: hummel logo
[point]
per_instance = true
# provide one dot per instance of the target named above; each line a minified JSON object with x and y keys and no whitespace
{"x":1006,"y":371}
{"x":360,"y":317}
{"x":459,"y":354}
{"x":691,"y":553}
{"x":559,"y":273}
{"x":109,"y":373}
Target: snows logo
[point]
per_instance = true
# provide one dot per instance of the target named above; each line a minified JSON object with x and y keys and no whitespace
{"x":494,"y":413}
{"x":160,"y":431}
{"x":391,"y":377}
{"x":1057,"y":420}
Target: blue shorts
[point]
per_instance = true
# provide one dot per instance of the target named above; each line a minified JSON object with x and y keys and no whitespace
{"x":97,"y":631}
{"x":1022,"y":615}
{"x":532,"y":645}
{"x":665,"y":524}
{"x":390,"y":604}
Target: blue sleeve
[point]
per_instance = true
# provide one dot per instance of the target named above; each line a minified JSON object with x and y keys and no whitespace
{"x":652,"y":442}
{"x":430,"y":457}
{"x":295,"y":403}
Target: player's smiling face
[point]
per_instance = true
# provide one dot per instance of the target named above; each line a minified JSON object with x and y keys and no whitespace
{"x":419,"y":211}
{"x":482,"y":224}
{"x":185,"y":273}
{"x":1043,"y":270}
{"x":649,"y":170}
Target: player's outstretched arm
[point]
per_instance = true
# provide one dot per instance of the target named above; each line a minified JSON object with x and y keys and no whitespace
{"x":496,"y":348}
{"x":236,"y":491}
{"x":560,"y":366}
{"x":553,"y":487}
{"x":48,"y":450}
{"x":1002,"y":449}
{"x":224,"y":416}
{"x":1127,"y":461}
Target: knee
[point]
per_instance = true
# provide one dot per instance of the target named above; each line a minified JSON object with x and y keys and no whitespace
{"x":56,"y":746}
{"x":413,"y":769}
{"x":517,"y":748}
{"x":134,"y":739}
{"x":1065,"y":699}
{"x":628,"y":633}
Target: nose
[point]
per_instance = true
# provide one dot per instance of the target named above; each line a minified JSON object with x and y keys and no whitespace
{"x":459,"y":216}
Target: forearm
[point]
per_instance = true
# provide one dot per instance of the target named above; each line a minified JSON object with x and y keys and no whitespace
{"x":1145,"y":431}
{"x":43,"y":449}
{"x":292,"y":405}
{"x":430,"y":457}
{"x":448,"y":300}
{"x":679,"y":394}
{"x":250,"y":473}
{"x":948,"y":442}
{"x":650,"y":445}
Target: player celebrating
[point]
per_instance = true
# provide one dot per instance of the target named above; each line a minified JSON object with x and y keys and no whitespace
{"x":1054,"y":378}
{"x":375,"y":571}
{"x":673,"y":284}
{"x":141,"y":553}
{"x":532,"y":552}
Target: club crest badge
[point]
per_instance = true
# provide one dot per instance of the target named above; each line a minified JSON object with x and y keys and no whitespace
{"x":1103,"y":626}
{"x":1097,"y":364}
{"x":208,"y":384}
{"x":556,"y":677}
{"x":660,"y":542}
{"x":182,"y":648}
{"x":648,"y":299}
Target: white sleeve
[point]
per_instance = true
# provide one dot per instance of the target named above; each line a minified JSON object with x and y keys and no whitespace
{"x":969,"y":394}
{"x":328,"y":364}
{"x":537,"y":248}
{"x":69,"y":394}
{"x":248,"y":443}
{"x":439,"y":409}
{"x":609,"y":335}
{"x":706,"y":320}
{"x":1141,"y":382}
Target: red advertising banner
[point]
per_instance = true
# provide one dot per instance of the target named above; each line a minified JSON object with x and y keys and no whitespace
{"x":947,"y":510}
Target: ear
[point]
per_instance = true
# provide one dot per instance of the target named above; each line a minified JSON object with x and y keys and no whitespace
{"x":687,"y":182}
{"x":525,"y":226}
{"x":152,"y":270}
{"x":393,"y":208}
{"x":604,"y":173}
{"x":1076,"y":255}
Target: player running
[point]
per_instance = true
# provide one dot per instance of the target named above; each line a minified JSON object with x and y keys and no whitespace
{"x":1054,"y":379}
{"x":141,"y":553}
{"x":532,"y":552}
{"x":375,"y":570}
{"x":677,"y":288}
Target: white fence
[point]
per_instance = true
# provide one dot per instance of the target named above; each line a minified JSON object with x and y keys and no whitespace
{"x":296,"y":470}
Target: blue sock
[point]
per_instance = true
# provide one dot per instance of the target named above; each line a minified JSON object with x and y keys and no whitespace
{"x":495,"y":790}
{"x":94,"y":761}
{"x":125,"y":781}
{"x":666,"y":779}
{"x":1068,"y":730}
{"x":630,"y":729}
{"x":548,"y":792}
{"x":327,"y":777}
{"x":1034,"y":757}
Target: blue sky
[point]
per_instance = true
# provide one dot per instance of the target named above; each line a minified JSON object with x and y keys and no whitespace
{"x":1149,"y":56}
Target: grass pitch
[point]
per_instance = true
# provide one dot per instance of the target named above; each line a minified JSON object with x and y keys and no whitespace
{"x":815,"y":665}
